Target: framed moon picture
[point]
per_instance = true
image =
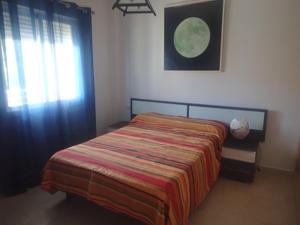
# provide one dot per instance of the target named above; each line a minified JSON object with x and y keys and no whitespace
{"x":193,"y":36}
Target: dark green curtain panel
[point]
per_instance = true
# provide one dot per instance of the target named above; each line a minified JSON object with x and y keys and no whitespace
{"x":47,"y":100}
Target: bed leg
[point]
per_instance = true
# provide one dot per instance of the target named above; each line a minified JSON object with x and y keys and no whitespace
{"x":69,"y":196}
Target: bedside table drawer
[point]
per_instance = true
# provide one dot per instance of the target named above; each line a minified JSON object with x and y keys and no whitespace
{"x":239,"y":155}
{"x":238,"y":170}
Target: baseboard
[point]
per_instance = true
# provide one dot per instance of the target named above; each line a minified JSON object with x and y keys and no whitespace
{"x":298,"y":194}
{"x":276,"y":168}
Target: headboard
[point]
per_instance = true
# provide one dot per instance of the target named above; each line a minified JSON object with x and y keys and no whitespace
{"x":257,"y":117}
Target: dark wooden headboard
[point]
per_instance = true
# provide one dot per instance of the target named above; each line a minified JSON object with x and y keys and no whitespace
{"x":257,"y":117}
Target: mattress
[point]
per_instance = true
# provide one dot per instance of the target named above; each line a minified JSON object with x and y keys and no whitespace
{"x":158,"y":169}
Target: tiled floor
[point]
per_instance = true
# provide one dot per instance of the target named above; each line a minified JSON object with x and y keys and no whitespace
{"x":270,"y":200}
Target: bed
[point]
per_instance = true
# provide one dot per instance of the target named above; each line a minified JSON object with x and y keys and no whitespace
{"x":159,"y":168}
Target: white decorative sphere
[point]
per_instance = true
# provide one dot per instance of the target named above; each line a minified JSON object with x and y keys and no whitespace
{"x":239,"y":128}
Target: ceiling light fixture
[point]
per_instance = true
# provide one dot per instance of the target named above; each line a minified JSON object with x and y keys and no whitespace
{"x":134,"y":6}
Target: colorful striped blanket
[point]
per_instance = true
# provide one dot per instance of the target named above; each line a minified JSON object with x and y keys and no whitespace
{"x":157,"y":170}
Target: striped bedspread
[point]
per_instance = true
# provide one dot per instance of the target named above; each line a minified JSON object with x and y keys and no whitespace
{"x":157,"y":170}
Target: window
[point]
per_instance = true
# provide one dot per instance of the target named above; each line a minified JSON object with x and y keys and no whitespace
{"x":41,"y":61}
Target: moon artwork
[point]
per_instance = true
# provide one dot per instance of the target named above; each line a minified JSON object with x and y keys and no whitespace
{"x":193,"y":36}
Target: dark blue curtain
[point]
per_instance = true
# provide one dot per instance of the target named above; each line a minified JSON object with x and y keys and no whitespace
{"x":47,"y":100}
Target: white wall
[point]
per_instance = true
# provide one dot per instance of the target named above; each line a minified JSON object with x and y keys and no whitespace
{"x":104,"y":49}
{"x":261,"y":69}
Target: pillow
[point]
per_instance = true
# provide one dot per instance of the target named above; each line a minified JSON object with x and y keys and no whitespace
{"x":193,"y":126}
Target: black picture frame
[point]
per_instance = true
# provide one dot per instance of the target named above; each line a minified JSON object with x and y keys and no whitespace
{"x":212,"y":12}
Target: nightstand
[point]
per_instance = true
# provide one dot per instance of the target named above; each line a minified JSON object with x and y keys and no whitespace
{"x":239,"y":159}
{"x":117,"y":126}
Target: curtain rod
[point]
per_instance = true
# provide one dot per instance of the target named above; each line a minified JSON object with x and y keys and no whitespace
{"x":68,"y":5}
{"x":185,"y":2}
